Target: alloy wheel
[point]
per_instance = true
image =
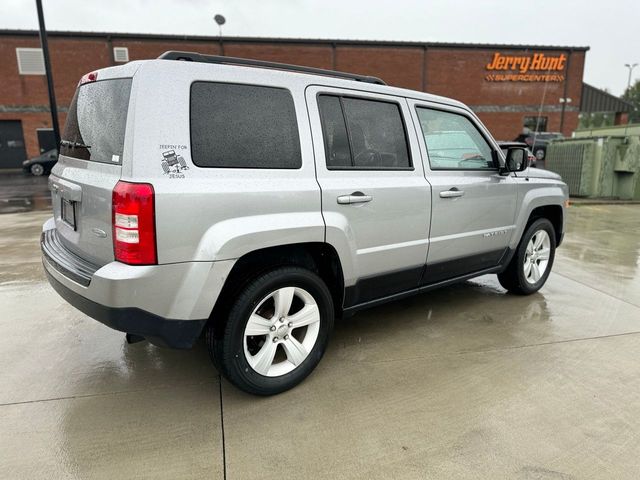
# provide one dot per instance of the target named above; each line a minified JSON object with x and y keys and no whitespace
{"x":536,"y":257}
{"x":281,"y":331}
{"x":37,"y":169}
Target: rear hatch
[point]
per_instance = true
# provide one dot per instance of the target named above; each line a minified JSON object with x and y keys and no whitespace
{"x":90,"y":164}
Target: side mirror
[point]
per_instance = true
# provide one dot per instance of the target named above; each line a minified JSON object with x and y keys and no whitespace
{"x":517,"y":160}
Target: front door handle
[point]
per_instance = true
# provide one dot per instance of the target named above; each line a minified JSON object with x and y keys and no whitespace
{"x":452,"y":193}
{"x":355,"y":197}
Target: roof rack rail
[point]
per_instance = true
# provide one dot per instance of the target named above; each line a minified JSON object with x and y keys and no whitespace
{"x":199,"y":57}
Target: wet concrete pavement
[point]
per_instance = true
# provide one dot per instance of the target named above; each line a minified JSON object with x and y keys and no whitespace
{"x":464,"y":382}
{"x":20,"y":192}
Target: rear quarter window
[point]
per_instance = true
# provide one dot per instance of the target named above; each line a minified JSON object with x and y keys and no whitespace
{"x":243,"y":126}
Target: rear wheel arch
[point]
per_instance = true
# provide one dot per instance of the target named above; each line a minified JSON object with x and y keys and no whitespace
{"x":320,"y":258}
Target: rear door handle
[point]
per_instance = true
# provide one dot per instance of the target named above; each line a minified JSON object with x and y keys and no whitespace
{"x":355,"y":197}
{"x":452,"y":193}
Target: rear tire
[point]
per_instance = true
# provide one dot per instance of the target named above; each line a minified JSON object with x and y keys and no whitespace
{"x":531,"y":264}
{"x":277,"y":331}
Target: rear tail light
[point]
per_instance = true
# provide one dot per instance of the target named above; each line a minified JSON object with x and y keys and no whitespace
{"x":134,"y":225}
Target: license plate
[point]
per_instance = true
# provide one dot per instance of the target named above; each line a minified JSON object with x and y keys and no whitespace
{"x":69,"y":212}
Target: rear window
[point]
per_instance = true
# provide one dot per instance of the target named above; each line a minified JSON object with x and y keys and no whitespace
{"x":243,"y":126}
{"x":96,"y":122}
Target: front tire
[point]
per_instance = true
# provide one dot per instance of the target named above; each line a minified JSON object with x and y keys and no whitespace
{"x":276,"y":332}
{"x":531,"y":264}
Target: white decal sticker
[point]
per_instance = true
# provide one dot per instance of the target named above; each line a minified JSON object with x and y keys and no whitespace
{"x":173,"y":164}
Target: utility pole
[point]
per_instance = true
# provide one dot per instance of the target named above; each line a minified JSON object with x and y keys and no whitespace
{"x":565,"y":100}
{"x":47,"y":68}
{"x":630,"y":67}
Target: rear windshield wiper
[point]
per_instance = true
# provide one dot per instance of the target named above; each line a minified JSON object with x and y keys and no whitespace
{"x":68,"y":143}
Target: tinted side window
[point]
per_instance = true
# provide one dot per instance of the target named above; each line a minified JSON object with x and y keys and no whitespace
{"x":243,"y":126}
{"x":453,"y":142}
{"x":336,"y":140}
{"x":366,"y":134}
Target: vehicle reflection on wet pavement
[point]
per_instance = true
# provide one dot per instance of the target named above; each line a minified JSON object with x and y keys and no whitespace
{"x":21,"y":192}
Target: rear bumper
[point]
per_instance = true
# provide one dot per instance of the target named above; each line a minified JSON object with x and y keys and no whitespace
{"x":158,"y":330}
{"x":167,"y":304}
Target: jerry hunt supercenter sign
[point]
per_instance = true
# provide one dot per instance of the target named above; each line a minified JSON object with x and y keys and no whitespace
{"x":537,"y":67}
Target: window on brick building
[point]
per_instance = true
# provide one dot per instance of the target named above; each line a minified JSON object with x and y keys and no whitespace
{"x":534,"y":124}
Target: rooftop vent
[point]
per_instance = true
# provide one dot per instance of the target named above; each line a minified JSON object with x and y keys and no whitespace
{"x":121,"y":54}
{"x":30,"y":61}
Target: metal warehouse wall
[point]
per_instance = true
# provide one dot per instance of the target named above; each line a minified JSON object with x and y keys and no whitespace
{"x":453,"y":70}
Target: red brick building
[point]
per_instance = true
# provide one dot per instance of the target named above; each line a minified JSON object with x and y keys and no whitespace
{"x":507,"y":85}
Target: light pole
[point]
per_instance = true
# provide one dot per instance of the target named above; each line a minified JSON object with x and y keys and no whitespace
{"x":47,"y":68}
{"x":630,"y":67}
{"x":220,"y":20}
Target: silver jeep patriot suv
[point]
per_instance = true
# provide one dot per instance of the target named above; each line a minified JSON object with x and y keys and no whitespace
{"x":254,"y":202}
